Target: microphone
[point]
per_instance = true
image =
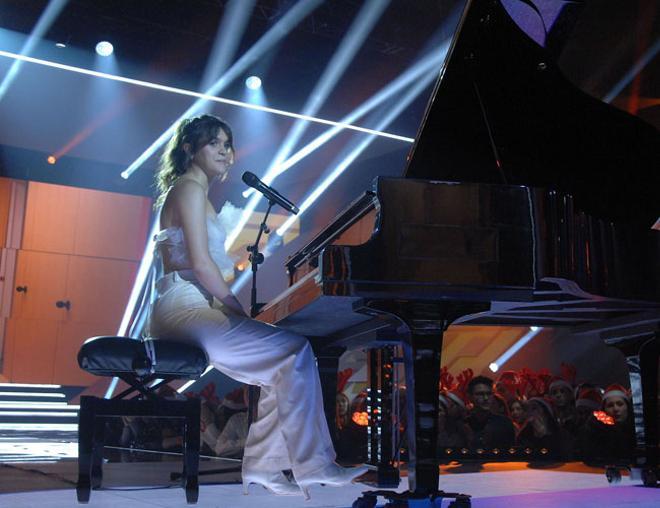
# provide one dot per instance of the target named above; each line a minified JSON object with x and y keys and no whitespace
{"x":271,"y":194}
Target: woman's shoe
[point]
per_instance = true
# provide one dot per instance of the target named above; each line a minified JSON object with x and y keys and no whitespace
{"x":276,"y":483}
{"x":333,"y":475}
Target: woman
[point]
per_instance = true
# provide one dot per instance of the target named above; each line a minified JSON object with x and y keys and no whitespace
{"x":610,"y":433}
{"x":518,"y":413}
{"x":541,"y":430}
{"x":453,"y":432}
{"x":194,"y":303}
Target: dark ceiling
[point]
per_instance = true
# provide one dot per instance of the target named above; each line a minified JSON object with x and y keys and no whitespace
{"x":169,"y":42}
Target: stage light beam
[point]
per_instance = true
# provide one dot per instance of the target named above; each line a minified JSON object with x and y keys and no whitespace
{"x":228,"y":36}
{"x":517,"y":346}
{"x":391,"y":115}
{"x":43,"y":24}
{"x":293,"y":16}
{"x":637,"y":67}
{"x":343,"y":56}
{"x":424,"y":66}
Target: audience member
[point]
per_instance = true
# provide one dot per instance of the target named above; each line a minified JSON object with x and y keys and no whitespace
{"x":541,"y":431}
{"x":587,"y":400}
{"x":224,"y":430}
{"x":518,"y":413}
{"x":489,"y":430}
{"x":609,"y":434}
{"x":453,"y":431}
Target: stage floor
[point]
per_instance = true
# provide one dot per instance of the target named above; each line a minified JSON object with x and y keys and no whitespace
{"x":507,"y":485}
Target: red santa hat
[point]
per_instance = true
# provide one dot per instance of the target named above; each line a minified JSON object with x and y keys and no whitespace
{"x":616,"y":390}
{"x":508,"y":385}
{"x":342,"y":379}
{"x":547,"y":404}
{"x":558,"y":382}
{"x":589,"y":397}
{"x":456,"y":397}
{"x":235,"y":399}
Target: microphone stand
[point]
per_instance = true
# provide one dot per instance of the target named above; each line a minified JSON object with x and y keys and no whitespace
{"x":256,"y":258}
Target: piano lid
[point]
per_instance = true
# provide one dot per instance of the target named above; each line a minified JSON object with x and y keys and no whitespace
{"x":502,"y":112}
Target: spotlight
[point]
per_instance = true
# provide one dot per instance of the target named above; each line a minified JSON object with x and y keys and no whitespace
{"x":493,"y":367}
{"x":253,"y":82}
{"x":51,"y":159}
{"x":104,"y":48}
{"x":60,"y":45}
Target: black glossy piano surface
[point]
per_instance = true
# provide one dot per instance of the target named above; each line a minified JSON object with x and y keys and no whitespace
{"x":524,"y":201}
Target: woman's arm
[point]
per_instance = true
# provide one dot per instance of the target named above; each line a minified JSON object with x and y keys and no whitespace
{"x":190,"y":205}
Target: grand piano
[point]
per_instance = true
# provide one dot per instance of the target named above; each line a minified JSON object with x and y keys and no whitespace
{"x":524,"y":201}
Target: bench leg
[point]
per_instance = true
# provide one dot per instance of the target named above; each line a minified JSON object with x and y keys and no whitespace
{"x":85,"y":446}
{"x":191,"y":452}
{"x":97,"y":453}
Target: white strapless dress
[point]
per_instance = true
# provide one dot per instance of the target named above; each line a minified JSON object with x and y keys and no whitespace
{"x":290,"y":431}
{"x":170,"y":242}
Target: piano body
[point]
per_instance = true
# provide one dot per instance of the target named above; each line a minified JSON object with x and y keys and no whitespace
{"x":524,"y":202}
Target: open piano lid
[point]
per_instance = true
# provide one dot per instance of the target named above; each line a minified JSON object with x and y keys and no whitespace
{"x":502,"y":112}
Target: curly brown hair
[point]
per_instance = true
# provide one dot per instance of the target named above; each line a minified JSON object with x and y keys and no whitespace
{"x":197,"y":132}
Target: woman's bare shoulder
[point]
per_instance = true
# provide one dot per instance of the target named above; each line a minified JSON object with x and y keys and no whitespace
{"x":183,"y":195}
{"x":186,"y":188}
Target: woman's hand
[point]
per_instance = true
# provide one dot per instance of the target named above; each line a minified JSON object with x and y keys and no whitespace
{"x":231,"y":302}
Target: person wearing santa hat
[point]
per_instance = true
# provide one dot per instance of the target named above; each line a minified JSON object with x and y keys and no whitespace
{"x":518,"y":413}
{"x":610,"y":433}
{"x":452,"y":428}
{"x":541,"y":431}
{"x":616,"y":403}
{"x":225,"y":430}
{"x":563,"y":400}
{"x":562,"y":395}
{"x":588,"y":398}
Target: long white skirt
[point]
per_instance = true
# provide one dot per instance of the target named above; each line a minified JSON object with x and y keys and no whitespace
{"x":290,"y":431}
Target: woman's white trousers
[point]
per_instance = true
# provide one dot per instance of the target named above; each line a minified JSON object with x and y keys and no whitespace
{"x":290,"y":431}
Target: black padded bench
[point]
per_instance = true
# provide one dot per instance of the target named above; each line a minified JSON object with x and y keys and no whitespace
{"x":139,"y":363}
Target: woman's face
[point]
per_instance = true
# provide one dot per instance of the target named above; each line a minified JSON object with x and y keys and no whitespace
{"x":537,"y":418}
{"x":342,"y":404}
{"x":517,"y":412}
{"x":216,"y":157}
{"x":561,"y":395}
{"x":617,"y":408}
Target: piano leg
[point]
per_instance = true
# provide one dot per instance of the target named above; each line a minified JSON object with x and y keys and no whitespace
{"x":328,"y":364}
{"x":422,"y":360}
{"x":644,"y":369}
{"x":422,"y":346}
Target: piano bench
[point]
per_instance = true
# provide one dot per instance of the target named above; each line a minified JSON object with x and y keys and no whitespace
{"x":139,"y":363}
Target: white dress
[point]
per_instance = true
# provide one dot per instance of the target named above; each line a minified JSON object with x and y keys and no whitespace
{"x":290,"y":431}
